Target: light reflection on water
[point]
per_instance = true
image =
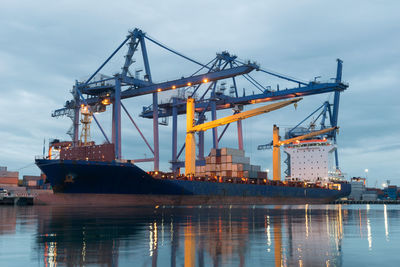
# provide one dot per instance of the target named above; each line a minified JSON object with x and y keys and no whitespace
{"x":304,"y":235}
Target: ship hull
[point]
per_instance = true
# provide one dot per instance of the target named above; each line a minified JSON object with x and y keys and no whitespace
{"x":112,"y":182}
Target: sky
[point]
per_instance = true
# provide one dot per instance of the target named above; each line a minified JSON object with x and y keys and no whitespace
{"x":46,"y":45}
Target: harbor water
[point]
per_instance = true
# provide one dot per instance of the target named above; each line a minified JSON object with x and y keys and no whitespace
{"x":292,"y":235}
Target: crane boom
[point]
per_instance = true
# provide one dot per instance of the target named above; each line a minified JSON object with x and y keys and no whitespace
{"x":243,"y":115}
{"x":298,"y":138}
{"x":190,"y":150}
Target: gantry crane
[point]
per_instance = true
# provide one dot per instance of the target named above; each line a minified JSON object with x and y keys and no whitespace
{"x":191,"y":128}
{"x":101,"y":90}
{"x":277,"y":143}
{"x":98,"y":91}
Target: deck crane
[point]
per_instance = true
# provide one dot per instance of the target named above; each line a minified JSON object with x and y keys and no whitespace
{"x":277,"y":143}
{"x":322,"y":113}
{"x":190,"y":150}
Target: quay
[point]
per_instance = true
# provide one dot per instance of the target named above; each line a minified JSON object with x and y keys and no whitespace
{"x":387,"y":201}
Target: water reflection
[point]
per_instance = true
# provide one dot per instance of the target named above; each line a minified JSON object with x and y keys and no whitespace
{"x":197,"y":236}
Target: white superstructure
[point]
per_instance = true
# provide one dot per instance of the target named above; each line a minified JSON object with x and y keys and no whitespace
{"x":310,"y":160}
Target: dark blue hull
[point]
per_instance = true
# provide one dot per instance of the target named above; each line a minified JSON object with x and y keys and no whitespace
{"x":67,"y":176}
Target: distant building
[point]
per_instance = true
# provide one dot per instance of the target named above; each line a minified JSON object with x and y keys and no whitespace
{"x":357,"y":188}
{"x":8,"y":178}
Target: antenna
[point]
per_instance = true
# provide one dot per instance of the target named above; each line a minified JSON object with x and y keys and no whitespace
{"x":44,"y":147}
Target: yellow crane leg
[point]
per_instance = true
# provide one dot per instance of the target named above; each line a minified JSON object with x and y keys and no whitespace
{"x":190,"y":147}
{"x":276,"y":155}
{"x":190,"y":154}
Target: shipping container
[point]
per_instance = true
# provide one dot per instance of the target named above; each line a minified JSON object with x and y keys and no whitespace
{"x":237,"y":159}
{"x":9,"y":180}
{"x":232,"y":151}
{"x":223,"y":167}
{"x":255,"y":168}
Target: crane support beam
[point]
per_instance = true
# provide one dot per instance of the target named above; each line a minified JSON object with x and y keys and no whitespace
{"x":191,"y":129}
{"x":292,"y":140}
{"x":225,"y":101}
{"x":193,"y":80}
{"x":276,"y":152}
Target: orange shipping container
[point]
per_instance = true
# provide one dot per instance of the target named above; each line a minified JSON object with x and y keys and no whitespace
{"x":9,"y":180}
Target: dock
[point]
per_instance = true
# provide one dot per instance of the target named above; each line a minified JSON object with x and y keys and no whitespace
{"x":378,"y":201}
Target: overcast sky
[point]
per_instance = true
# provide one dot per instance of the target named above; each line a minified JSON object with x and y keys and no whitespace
{"x":46,"y":45}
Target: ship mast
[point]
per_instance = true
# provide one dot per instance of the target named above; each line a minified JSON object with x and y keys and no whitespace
{"x":86,"y":119}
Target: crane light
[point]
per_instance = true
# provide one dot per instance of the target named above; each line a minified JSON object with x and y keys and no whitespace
{"x":159,"y":90}
{"x":173,"y":86}
{"x":189,"y":84}
{"x":105,"y":101}
{"x":205,"y":80}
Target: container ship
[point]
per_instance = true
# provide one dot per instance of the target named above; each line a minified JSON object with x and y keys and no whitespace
{"x":226,"y":178}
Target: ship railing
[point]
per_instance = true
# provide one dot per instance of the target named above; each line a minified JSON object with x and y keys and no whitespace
{"x":242,"y":180}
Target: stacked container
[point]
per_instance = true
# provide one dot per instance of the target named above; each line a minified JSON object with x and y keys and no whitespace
{"x":103,"y":152}
{"x":231,"y":163}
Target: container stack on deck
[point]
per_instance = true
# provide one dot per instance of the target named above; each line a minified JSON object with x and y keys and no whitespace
{"x":230,"y":163}
{"x":103,"y":152}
